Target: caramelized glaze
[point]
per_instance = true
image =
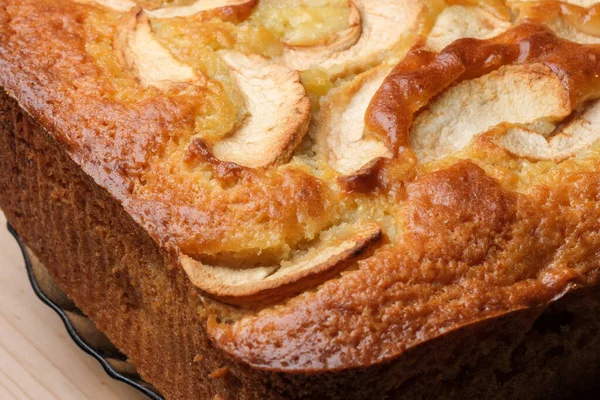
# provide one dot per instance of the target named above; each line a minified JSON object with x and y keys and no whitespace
{"x":422,"y":75}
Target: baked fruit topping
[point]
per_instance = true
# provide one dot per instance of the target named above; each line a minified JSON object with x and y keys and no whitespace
{"x":332,"y":182}
{"x":260,"y":138}
{"x":548,"y":65}
{"x":464,"y":20}
{"x":423,"y":106}
{"x":511,"y":95}
{"x":336,"y":40}
{"x":577,"y":20}
{"x":253,"y":286}
{"x":263,"y":138}
{"x":138,"y":51}
{"x":376,"y":28}
{"x":342,"y":139}
{"x":340,"y":131}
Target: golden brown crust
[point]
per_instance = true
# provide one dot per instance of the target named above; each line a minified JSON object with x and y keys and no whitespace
{"x":462,"y":231}
{"x":469,"y":244}
{"x":116,"y":141}
{"x":113,"y":271}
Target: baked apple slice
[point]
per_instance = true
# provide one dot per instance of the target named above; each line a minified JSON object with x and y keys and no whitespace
{"x":435,"y":103}
{"x":139,"y":52}
{"x":342,"y":139}
{"x":277,"y":112}
{"x":256,"y":285}
{"x":576,"y":20}
{"x":277,"y":109}
{"x":459,"y":21}
{"x":340,"y":130}
{"x":529,"y":95}
{"x":562,"y":142}
{"x":383,"y":25}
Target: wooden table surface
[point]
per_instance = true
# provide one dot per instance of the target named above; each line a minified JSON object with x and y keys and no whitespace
{"x":38,"y":359}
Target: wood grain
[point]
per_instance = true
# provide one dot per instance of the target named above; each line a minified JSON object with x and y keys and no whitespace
{"x":38,"y":359}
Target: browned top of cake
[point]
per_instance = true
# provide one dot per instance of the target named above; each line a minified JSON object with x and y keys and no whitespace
{"x":356,"y":176}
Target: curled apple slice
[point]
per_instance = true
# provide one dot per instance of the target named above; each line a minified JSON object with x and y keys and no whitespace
{"x":460,"y":21}
{"x":256,"y":285}
{"x":277,"y":107}
{"x":576,"y":20}
{"x":564,"y":142}
{"x":138,"y":51}
{"x":424,"y":77}
{"x":529,"y":94}
{"x":340,"y":131}
{"x":383,"y":24}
